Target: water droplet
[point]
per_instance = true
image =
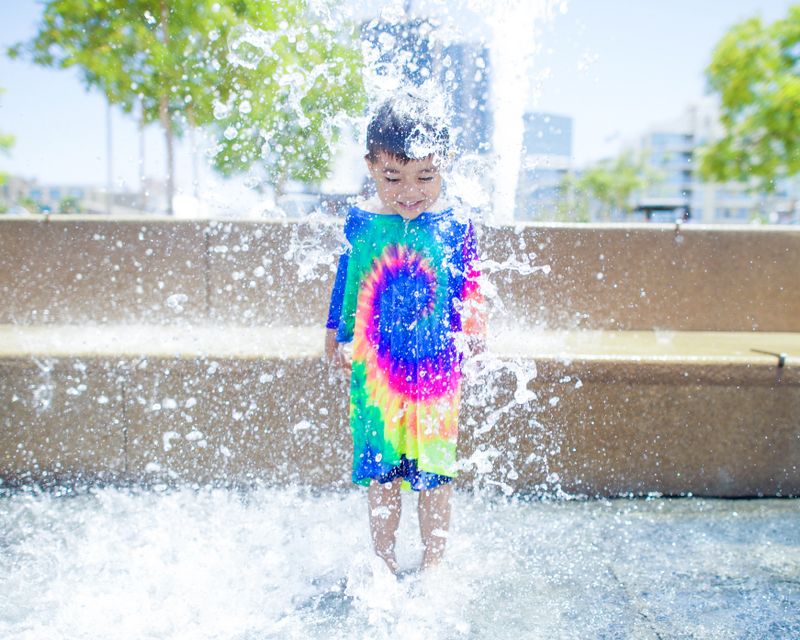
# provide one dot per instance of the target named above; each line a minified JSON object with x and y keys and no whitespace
{"x":247,"y":46}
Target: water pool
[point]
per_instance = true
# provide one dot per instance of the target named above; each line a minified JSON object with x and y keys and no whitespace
{"x":269,"y":563}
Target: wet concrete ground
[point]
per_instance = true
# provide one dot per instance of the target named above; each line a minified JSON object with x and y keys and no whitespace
{"x":187,"y":563}
{"x":678,"y":568}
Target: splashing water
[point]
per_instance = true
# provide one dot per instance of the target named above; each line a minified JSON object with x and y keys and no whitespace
{"x":269,"y":563}
{"x":315,"y":242}
{"x":248,"y":46}
{"x":284,"y":563}
{"x":513,"y":45}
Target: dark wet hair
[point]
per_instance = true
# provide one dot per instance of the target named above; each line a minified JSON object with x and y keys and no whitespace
{"x":404,"y":128}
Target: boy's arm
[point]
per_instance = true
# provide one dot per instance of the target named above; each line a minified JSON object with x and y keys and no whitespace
{"x":337,"y":293}
{"x":333,"y":352}
{"x":473,"y":304}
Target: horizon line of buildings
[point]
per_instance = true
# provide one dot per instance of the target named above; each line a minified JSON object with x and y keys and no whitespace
{"x":669,"y":148}
{"x":669,"y":151}
{"x":414,"y":51}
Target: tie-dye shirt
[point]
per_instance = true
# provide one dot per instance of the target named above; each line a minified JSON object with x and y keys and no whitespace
{"x":403,"y":292}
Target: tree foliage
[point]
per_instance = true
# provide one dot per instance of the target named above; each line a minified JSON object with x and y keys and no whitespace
{"x":69,"y":204}
{"x":266,"y":77}
{"x":755,"y":70}
{"x":607,"y":186}
{"x":292,"y":76}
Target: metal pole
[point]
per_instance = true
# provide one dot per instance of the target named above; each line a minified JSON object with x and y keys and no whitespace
{"x":142,"y":173}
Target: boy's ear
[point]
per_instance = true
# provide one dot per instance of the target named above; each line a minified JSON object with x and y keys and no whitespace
{"x":370,"y":166}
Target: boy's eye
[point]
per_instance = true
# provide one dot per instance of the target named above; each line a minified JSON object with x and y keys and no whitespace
{"x":392,"y":179}
{"x":428,"y":179}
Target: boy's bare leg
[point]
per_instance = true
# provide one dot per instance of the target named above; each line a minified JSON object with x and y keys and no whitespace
{"x":434,"y":519}
{"x":384,"y":518}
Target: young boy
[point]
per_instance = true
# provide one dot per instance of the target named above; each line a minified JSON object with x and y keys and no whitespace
{"x":404,"y":292}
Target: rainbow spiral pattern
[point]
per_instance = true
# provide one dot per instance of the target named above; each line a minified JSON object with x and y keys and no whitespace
{"x":410,"y":288}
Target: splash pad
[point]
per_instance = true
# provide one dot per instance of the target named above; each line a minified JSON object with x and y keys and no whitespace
{"x":168,"y":394}
{"x":166,"y":409}
{"x":261,"y":564}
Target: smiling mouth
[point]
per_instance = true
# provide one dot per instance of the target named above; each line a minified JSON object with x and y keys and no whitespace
{"x":411,"y":205}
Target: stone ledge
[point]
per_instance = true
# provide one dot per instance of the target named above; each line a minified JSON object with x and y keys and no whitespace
{"x":230,"y":404}
{"x":711,"y":357}
{"x":192,"y":340}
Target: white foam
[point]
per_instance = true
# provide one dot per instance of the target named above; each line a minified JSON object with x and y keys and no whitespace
{"x":175,"y":564}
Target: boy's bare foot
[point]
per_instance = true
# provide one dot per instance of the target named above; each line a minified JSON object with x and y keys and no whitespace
{"x":405,"y":574}
{"x":384,"y":518}
{"x":390,"y":561}
{"x":433,"y":556}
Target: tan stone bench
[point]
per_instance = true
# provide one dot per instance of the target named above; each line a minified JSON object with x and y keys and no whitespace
{"x":613,"y":413}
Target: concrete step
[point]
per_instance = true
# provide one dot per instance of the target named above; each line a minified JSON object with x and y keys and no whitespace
{"x":193,"y":340}
{"x":596,"y":413}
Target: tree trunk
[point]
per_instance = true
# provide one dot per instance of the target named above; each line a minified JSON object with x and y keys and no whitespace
{"x":279,"y":188}
{"x":142,"y":171}
{"x":193,"y":145}
{"x":109,"y":160}
{"x":166,"y":121}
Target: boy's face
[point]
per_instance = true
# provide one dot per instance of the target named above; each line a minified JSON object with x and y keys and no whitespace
{"x":406,"y":189}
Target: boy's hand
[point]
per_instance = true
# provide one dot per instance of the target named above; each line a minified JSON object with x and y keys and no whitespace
{"x":477,"y":345}
{"x":334,"y":353}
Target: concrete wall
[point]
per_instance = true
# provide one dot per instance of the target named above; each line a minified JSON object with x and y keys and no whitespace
{"x":653,"y":277}
{"x":599,"y":426}
{"x":614,"y":430}
{"x":601,"y":277}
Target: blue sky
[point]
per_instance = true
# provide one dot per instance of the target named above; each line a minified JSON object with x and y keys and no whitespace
{"x":614,"y":66}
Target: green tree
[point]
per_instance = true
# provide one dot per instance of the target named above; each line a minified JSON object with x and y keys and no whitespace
{"x":754,"y":70}
{"x":183,"y":62}
{"x":29,"y":204}
{"x":69,"y":204}
{"x":607,"y":186}
{"x":291,"y":78}
{"x":573,"y":204}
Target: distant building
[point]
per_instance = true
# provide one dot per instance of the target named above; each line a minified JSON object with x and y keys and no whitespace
{"x":403,"y":47}
{"x":22,"y":193}
{"x":670,"y":148}
{"x":546,"y":160}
